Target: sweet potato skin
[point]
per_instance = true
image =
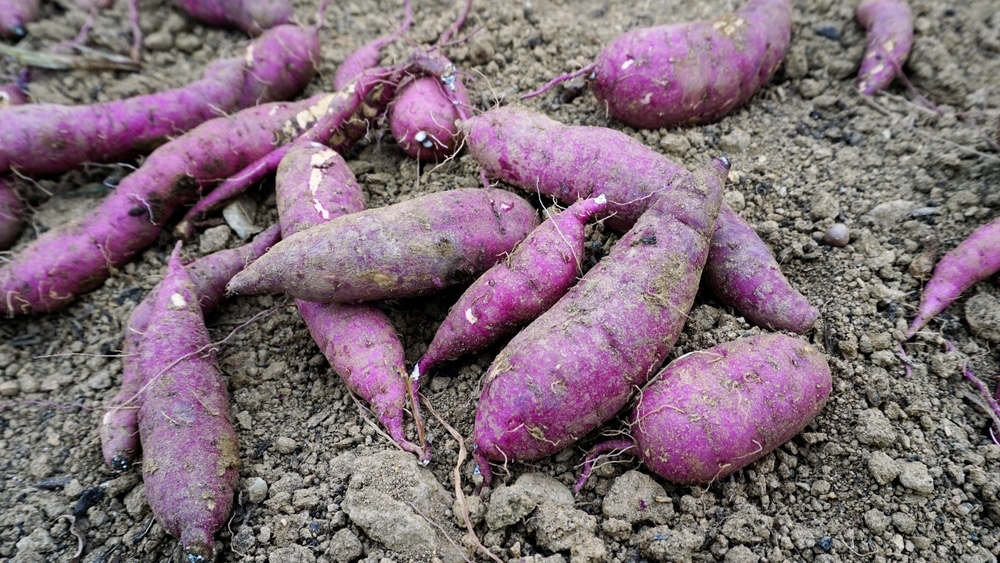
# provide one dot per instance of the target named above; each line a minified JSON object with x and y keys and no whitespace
{"x":517,"y":290}
{"x":526,"y":149}
{"x":696,"y":72}
{"x":423,"y":118}
{"x":712,"y":412}
{"x":76,"y":257}
{"x":190,"y":451}
{"x":889,"y":27}
{"x":576,"y":365}
{"x":11,"y":213}
{"x":973,"y":260}
{"x":52,"y":138}
{"x":313,"y":186}
{"x":119,"y":426}
{"x":251,"y":16}
{"x":743,"y":273}
{"x":14,"y":14}
{"x":410,"y":248}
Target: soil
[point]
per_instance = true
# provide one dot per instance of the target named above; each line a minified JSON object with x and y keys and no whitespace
{"x":900,"y":466}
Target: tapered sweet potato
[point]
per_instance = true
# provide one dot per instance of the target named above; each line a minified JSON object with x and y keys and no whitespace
{"x":76,"y":257}
{"x":52,"y":138}
{"x":190,"y":451}
{"x":974,"y":259}
{"x":251,"y":16}
{"x":410,"y":248}
{"x":712,"y":412}
{"x":314,"y":186}
{"x":889,"y":27}
{"x":576,"y":366}
{"x":527,"y":150}
{"x":517,"y":290}
{"x":119,"y":427}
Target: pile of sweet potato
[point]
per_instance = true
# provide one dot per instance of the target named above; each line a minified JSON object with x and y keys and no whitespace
{"x":587,"y":342}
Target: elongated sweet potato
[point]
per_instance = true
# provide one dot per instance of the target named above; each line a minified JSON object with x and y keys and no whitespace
{"x":974,"y":259}
{"x":190,"y":452}
{"x":314,"y":186}
{"x":251,"y":16}
{"x":517,"y":290}
{"x":576,"y":366}
{"x":410,"y":248}
{"x":52,"y":138}
{"x":527,"y":150}
{"x":76,"y":257}
{"x":119,"y":427}
{"x":889,"y":27}
{"x":693,"y":72}
{"x":712,"y":412}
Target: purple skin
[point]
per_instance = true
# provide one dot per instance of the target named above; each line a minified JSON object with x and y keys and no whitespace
{"x":251,"y":16}
{"x":576,"y":365}
{"x":14,"y":14}
{"x":76,"y":257}
{"x":743,"y":273}
{"x":889,"y":27}
{"x":407,"y":249}
{"x":527,"y":150}
{"x":423,"y":117}
{"x":516,"y":291}
{"x":313,"y":186}
{"x":191,"y":456}
{"x":119,"y":428}
{"x":51,"y":138}
{"x":973,"y":260}
{"x":696,"y":72}
{"x":12,"y":95}
{"x":710,"y":413}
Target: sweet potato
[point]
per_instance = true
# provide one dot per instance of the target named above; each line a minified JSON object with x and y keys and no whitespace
{"x":119,"y":429}
{"x":577,"y":364}
{"x":52,"y":138}
{"x":526,"y":149}
{"x":410,"y":248}
{"x":313,"y":186}
{"x":517,"y":290}
{"x":15,"y":14}
{"x":974,"y":259}
{"x":13,"y":94}
{"x":424,"y":114}
{"x":190,"y":451}
{"x":11,"y":213}
{"x":251,"y":16}
{"x":76,"y":257}
{"x":693,"y":72}
{"x":712,"y":412}
{"x":889,"y":28}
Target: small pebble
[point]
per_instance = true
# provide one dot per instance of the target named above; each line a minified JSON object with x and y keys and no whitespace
{"x":837,"y":235}
{"x":256,"y":490}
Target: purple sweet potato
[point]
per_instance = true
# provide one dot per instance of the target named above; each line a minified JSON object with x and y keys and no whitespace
{"x":973,"y":260}
{"x":119,"y":428}
{"x":251,"y":16}
{"x":517,"y":290}
{"x":712,"y":412}
{"x":191,"y":457}
{"x":577,"y":364}
{"x":15,"y":14}
{"x":424,"y":114}
{"x":694,"y":72}
{"x":410,"y":248}
{"x":53,"y":138}
{"x":527,"y":150}
{"x":13,"y":94}
{"x":889,"y":27}
{"x":313,"y":186}
{"x":11,"y":213}
{"x":743,"y":273}
{"x":76,"y":257}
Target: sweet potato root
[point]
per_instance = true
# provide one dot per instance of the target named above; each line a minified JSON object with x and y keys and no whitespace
{"x":190,"y":452}
{"x":403,"y":250}
{"x":119,"y":428}
{"x":576,"y":366}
